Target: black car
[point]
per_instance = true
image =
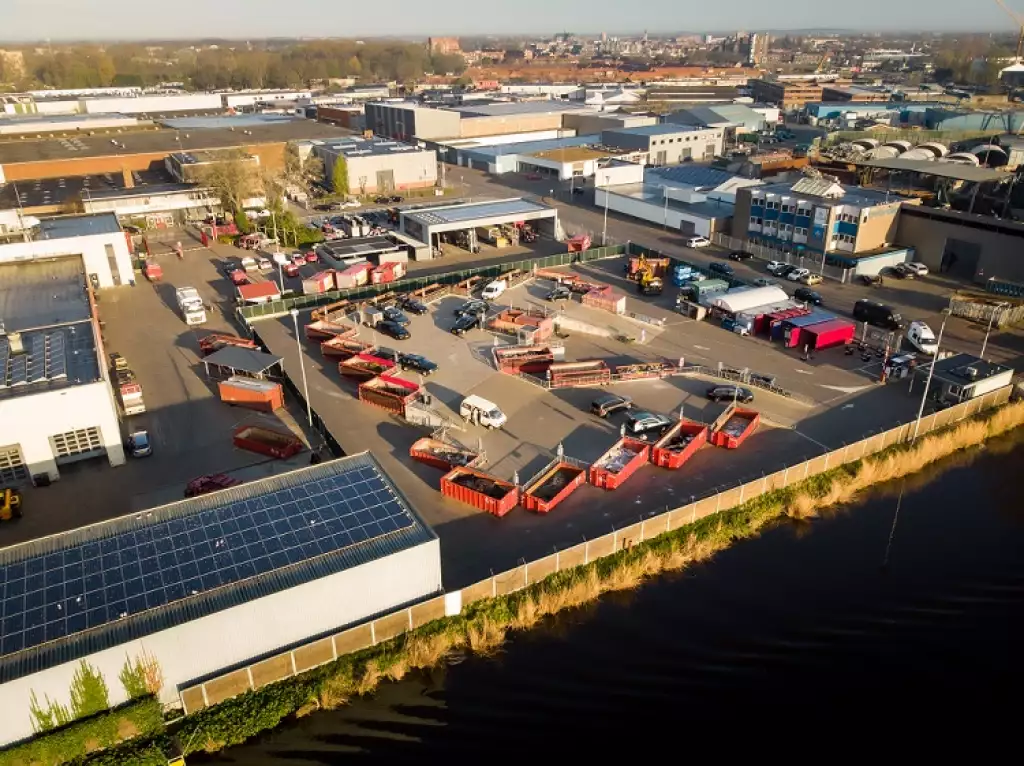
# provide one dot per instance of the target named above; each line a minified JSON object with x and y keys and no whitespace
{"x":560,"y":293}
{"x":467,"y":322}
{"x":323,"y":208}
{"x":382,"y":200}
{"x":902,"y":271}
{"x":578,"y":190}
{"x":415,"y":362}
{"x":413,"y":306}
{"x":396,"y":198}
{"x":807,"y":295}
{"x":393,"y":330}
{"x":730,"y":394}
{"x":605,"y":405}
{"x":391,"y":314}
{"x":647,"y":424}
{"x":739,"y":255}
{"x":721,"y":268}
{"x":786,"y":270}
{"x":475,"y":308}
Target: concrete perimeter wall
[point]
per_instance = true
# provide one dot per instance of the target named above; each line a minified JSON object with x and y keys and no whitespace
{"x":324,"y":650}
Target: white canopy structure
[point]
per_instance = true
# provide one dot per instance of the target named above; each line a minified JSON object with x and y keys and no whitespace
{"x":737,"y":301}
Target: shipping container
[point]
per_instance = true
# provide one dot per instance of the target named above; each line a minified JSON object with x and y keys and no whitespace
{"x":619,"y":463}
{"x":606,"y":299}
{"x":259,"y":292}
{"x":216,"y":341}
{"x":388,"y":271}
{"x":588,"y":372}
{"x":265,"y":441}
{"x":355,"y":275}
{"x":341,"y":347}
{"x":769,"y":322}
{"x":261,"y":395}
{"x":552,"y":485}
{"x":679,"y":444}
{"x":364,"y":366}
{"x":389,"y":393}
{"x":478,"y":489}
{"x":513,"y":321}
{"x":734,"y":427}
{"x":784,"y":330}
{"x":443,"y":455}
{"x":321,"y":282}
{"x":836,"y":332}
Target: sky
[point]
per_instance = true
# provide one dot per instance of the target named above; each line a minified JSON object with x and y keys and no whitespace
{"x":22,"y":20}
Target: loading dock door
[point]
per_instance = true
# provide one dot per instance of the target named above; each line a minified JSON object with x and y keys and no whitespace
{"x":12,"y":466}
{"x":77,"y":445}
{"x":385,"y":180}
{"x":687,"y":228}
{"x":960,"y":258}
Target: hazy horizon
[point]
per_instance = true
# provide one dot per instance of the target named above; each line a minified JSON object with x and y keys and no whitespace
{"x":27,"y":21}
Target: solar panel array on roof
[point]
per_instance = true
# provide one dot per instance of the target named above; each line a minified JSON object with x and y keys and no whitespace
{"x":40,"y":357}
{"x":464,"y":213}
{"x":60,"y":591}
{"x":692,"y":175}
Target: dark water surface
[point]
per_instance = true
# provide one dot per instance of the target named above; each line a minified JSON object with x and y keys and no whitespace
{"x":800,"y":626}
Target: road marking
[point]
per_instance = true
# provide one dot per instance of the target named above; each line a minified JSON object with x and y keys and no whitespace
{"x":808,"y":438}
{"x":847,"y":389}
{"x":702,"y":348}
{"x":804,"y":372}
{"x":847,"y":406}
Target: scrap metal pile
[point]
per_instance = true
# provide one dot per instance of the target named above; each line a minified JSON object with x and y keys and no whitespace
{"x":735,"y":426}
{"x":616,"y":460}
{"x":482,"y":485}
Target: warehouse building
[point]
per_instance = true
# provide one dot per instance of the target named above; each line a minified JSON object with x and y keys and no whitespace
{"x":56,"y":406}
{"x":211,"y":583}
{"x":96,"y":239}
{"x":733,"y":119}
{"x":376,"y":165}
{"x":428,"y":225}
{"x":667,"y":144}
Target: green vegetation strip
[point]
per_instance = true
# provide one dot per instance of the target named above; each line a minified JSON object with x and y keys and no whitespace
{"x":483,"y":626}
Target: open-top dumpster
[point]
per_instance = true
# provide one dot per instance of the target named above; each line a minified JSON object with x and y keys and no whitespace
{"x":323,"y":329}
{"x":588,"y":372}
{"x":341,"y":347}
{"x":679,"y":444}
{"x":619,"y":463}
{"x":265,"y":441}
{"x":733,"y":427}
{"x":441,"y":454}
{"x":364,"y":366}
{"x":555,"y":482}
{"x":216,"y":341}
{"x":389,"y":392}
{"x":480,"y":490}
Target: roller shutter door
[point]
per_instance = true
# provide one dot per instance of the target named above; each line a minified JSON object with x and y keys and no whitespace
{"x":73,"y":446}
{"x":12,"y":466}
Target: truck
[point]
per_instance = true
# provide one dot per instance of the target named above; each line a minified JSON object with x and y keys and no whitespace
{"x":129,"y":394}
{"x":265,"y":441}
{"x":191,"y":305}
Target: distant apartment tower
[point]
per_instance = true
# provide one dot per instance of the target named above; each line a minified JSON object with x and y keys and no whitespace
{"x":759,"y":45}
{"x":443,"y":45}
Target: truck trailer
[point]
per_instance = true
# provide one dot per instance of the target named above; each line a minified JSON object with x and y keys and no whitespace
{"x":191,"y":305}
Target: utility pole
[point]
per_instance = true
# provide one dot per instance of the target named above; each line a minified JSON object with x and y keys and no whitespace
{"x":991,"y":320}
{"x":931,"y":371}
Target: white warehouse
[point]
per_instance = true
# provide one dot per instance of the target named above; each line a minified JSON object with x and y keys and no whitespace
{"x":56,"y":406}
{"x":210,"y":583}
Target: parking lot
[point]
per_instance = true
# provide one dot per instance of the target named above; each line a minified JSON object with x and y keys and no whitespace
{"x":835,"y":402}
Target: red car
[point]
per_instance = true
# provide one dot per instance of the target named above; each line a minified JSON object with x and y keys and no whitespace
{"x":292,"y":269}
{"x":239,"y":277}
{"x":311,"y":257}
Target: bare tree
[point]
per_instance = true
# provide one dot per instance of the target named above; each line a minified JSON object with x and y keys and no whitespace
{"x":232,"y":176}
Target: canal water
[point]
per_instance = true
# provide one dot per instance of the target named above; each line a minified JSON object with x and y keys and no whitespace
{"x":847,"y":619}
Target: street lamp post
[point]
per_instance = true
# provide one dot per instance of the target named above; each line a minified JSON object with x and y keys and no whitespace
{"x":604,"y":230}
{"x":988,"y":330}
{"x":664,"y":192}
{"x":931,"y":371}
{"x":302,"y":366}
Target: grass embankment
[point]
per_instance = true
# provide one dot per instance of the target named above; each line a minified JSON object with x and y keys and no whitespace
{"x":484,"y":625}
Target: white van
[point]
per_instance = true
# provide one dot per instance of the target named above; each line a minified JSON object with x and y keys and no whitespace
{"x":482,"y":412}
{"x":922,"y":338}
{"x":494,"y":289}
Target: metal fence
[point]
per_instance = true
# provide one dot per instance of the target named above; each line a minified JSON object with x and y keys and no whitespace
{"x":280,"y":307}
{"x":815,"y":264}
{"x":1000,"y":315}
{"x":327,"y":649}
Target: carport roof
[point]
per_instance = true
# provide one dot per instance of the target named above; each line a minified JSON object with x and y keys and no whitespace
{"x":243,"y":360}
{"x":476,"y":212}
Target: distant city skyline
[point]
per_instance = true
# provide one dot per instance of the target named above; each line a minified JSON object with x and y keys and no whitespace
{"x":58,"y":20}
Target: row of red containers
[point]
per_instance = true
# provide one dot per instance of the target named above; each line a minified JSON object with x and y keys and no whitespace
{"x":357,"y":275}
{"x":734,"y":427}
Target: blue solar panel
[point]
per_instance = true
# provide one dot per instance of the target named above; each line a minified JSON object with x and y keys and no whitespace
{"x":89,"y":584}
{"x":474,"y":212}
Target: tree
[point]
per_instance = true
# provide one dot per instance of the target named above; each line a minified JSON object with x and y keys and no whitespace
{"x":89,"y":693}
{"x":50,"y":716}
{"x":141,"y":677}
{"x":339,"y":178}
{"x":353,"y":66}
{"x":232,"y":177}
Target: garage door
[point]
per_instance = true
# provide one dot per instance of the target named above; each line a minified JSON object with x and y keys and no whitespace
{"x":77,"y":445}
{"x":12,"y":466}
{"x":478,"y":165}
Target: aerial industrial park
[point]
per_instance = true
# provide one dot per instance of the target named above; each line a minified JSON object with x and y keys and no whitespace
{"x":296,"y":364}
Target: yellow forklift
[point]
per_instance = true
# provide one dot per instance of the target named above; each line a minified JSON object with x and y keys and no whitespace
{"x":647,"y":282}
{"x":10,"y":504}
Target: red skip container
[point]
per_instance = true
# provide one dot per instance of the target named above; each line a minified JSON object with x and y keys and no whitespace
{"x":734,"y":427}
{"x":552,"y":485}
{"x":679,"y":444}
{"x":619,"y":463}
{"x":480,"y":490}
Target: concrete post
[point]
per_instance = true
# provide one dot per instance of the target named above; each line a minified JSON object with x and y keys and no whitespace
{"x":334,"y":648}
{"x":742,"y":488}
{"x":558,"y":561}
{"x":615,"y":540}
{"x":526,"y":574}
{"x":291,"y":656}
{"x":248,"y":672}
{"x":807,"y":468}
{"x":409,"y":614}
{"x":785,"y":477}
{"x":764,"y":484}
{"x":373,"y":635}
{"x":827,"y":456}
{"x":642,"y":522}
{"x":586,"y":552}
{"x":718,"y":503}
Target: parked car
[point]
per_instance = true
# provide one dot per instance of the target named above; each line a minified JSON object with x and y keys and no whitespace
{"x":721,"y":268}
{"x":393,"y":330}
{"x":417,"y":363}
{"x":474,"y":307}
{"x":605,"y":405}
{"x":807,"y":295}
{"x":764,"y":282}
{"x":350,"y":203}
{"x":292,"y":269}
{"x":138,"y":444}
{"x":323,"y":208}
{"x":466,"y":322}
{"x":382,"y":200}
{"x":264,"y":264}
{"x":396,"y":198}
{"x":729,"y":394}
{"x":560,"y":293}
{"x":298,"y":259}
{"x":311,"y":257}
{"x":871,"y":280}
{"x":647,"y":424}
{"x":797,"y":274}
{"x":578,"y":190}
{"x":238,"y":277}
{"x":919,"y":269}
{"x":774,"y":267}
{"x":391,"y":314}
{"x":902,"y":271}
{"x":249,"y":264}
{"x":279,"y":258}
{"x":785,"y":270}
{"x":698,"y":241}
{"x":412,"y":305}
{"x":921,"y":337}
{"x":739,"y":255}
{"x":811,"y":279}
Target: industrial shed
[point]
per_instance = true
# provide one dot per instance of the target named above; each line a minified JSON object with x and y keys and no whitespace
{"x":427,"y":225}
{"x":210,"y":583}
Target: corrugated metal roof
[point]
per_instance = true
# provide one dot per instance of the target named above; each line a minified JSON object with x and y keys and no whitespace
{"x":503,"y":108}
{"x":818,"y":187}
{"x":244,"y":359}
{"x":317,"y":558}
{"x":661,"y":129}
{"x":693,"y":175}
{"x":466,"y":213}
{"x":79,"y":226}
